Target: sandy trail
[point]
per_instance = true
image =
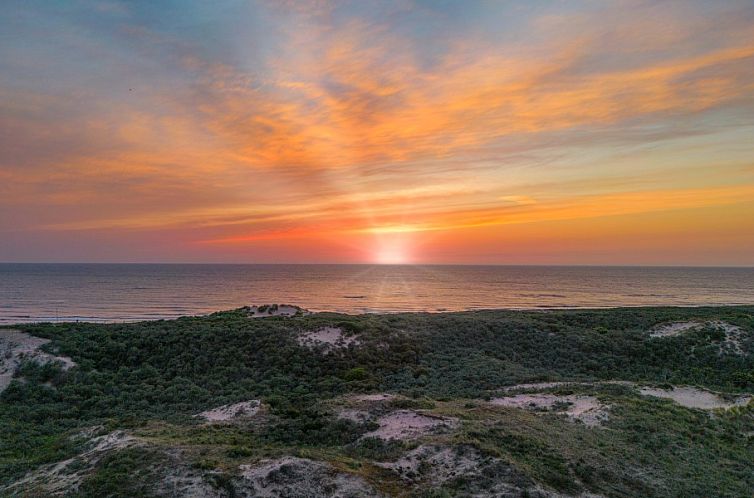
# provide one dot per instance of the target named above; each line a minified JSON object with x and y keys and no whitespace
{"x":692,"y":397}
{"x":541,"y":386}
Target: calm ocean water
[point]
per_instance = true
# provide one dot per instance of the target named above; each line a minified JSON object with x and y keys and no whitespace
{"x":57,"y":292}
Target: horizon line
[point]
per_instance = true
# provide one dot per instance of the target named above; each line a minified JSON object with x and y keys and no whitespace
{"x":539,"y":265}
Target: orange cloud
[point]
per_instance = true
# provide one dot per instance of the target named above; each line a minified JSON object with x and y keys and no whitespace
{"x":431,"y":217}
{"x":352,"y":102}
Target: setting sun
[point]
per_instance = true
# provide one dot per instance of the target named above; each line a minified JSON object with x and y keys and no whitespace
{"x":392,"y":250}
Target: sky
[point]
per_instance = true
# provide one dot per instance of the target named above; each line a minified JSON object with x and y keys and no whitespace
{"x":408,"y":131}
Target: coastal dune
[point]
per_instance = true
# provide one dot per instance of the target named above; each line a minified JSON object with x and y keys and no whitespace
{"x":555,"y":404}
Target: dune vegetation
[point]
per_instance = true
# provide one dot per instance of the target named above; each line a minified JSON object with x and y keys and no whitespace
{"x":485,"y":403}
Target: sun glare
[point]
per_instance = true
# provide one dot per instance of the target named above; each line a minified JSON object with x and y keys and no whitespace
{"x":392,"y":252}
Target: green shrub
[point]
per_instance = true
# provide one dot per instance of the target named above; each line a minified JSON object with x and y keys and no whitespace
{"x":356,"y":374}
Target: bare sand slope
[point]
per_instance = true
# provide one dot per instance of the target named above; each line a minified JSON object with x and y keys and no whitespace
{"x":292,"y":476}
{"x":431,"y":466}
{"x":675,"y":329}
{"x":409,"y":424}
{"x":587,"y":409}
{"x":17,"y":346}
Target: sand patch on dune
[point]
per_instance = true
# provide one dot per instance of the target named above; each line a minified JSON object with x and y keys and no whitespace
{"x":586,"y":409}
{"x":409,"y":424}
{"x":269,"y":310}
{"x":290,"y":476}
{"x":733,"y":333}
{"x":674,"y":329}
{"x":330,"y":338}
{"x":235,"y":411}
{"x":733,"y":337}
{"x":592,"y":412}
{"x":17,"y":346}
{"x":692,"y":397}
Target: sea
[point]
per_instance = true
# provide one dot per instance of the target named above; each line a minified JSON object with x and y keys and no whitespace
{"x":131,"y":292}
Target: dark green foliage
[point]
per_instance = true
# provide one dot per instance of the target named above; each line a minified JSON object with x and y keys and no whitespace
{"x":357,"y":373}
{"x":469,"y":353}
{"x":239,"y":452}
{"x":312,"y":428}
{"x":411,"y":404}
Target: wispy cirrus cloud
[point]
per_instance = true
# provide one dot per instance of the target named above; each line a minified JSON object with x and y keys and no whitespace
{"x":356,"y":102}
